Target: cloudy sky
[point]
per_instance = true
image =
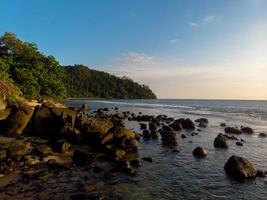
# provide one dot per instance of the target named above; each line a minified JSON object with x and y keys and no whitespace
{"x":180,"y":48}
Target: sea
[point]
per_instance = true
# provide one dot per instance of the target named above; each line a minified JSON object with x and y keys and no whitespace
{"x":179,"y":175}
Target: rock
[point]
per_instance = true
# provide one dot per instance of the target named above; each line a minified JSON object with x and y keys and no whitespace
{"x":202,"y":120}
{"x":42,"y":150}
{"x":154,"y":134}
{"x":242,"y":140}
{"x":166,"y":128}
{"x":16,"y":122}
{"x":81,"y":159}
{"x":260,"y":173}
{"x":120,"y":116}
{"x":221,"y":141}
{"x":94,"y":129}
{"x":203,"y":125}
{"x":136,"y":163}
{"x":84,"y":109}
{"x":200,"y":152}
{"x":146,"y":134}
{"x":119,"y":154}
{"x":240,"y":168}
{"x":152,"y":126}
{"x":126,"y":168}
{"x":183,"y":123}
{"x":176,"y":125}
{"x":247,"y":130}
{"x":147,"y":159}
{"x":194,"y":134}
{"x":18,"y":148}
{"x":143,"y":126}
{"x":232,"y":130}
{"x":239,"y":143}
{"x":168,"y":138}
{"x":62,"y":146}
{"x":3,"y":104}
{"x":183,"y":136}
{"x":263,"y":135}
{"x":223,"y":124}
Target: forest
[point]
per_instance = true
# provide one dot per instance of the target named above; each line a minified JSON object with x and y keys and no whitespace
{"x":41,"y":76}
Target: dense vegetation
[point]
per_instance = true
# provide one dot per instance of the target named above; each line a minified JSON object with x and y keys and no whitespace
{"x":38,"y":75}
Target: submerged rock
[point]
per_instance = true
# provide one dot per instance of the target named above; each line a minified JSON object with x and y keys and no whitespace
{"x":147,"y":159}
{"x":263,"y":135}
{"x":200,"y":152}
{"x":221,"y":141}
{"x":239,"y":143}
{"x":240,"y":168}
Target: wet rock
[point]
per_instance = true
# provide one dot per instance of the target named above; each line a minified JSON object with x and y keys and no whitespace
{"x":16,"y":122}
{"x":147,"y":159}
{"x":263,"y":135}
{"x":183,"y":136}
{"x":153,"y":126}
{"x":242,"y":140}
{"x":194,"y":134}
{"x":230,"y":137}
{"x":84,"y":109}
{"x":221,"y":141}
{"x":42,"y":150}
{"x":143,"y":126}
{"x":146,"y":134}
{"x":118,"y":154}
{"x":126,"y":168}
{"x":18,"y":148}
{"x":260,"y":173}
{"x":232,"y":130}
{"x":202,"y":120}
{"x":176,"y":125}
{"x":247,"y":130}
{"x":240,"y":168}
{"x":223,"y":124}
{"x":120,"y":116}
{"x":154,"y":134}
{"x":61,"y":146}
{"x":166,"y":128}
{"x":203,"y":125}
{"x":183,"y":123}
{"x":200,"y":152}
{"x":136,"y":163}
{"x":168,"y":138}
{"x":239,"y":143}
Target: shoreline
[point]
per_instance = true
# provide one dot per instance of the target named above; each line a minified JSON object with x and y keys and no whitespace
{"x":102,"y":164}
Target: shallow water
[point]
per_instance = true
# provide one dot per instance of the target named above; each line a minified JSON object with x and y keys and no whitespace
{"x":180,"y":175}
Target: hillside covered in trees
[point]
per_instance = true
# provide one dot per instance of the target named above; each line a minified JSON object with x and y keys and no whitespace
{"x":41,"y":76}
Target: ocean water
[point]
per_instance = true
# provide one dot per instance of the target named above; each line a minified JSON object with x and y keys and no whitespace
{"x":180,"y":175}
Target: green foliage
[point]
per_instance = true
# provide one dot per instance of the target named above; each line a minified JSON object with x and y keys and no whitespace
{"x":84,"y":82}
{"x":38,"y":75}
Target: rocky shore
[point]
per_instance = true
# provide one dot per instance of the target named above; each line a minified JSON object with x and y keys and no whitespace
{"x":48,"y":149}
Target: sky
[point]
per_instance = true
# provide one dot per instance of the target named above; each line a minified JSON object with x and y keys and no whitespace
{"x":187,"y":49}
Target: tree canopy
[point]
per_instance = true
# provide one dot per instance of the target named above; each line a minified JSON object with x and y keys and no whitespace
{"x":38,"y":75}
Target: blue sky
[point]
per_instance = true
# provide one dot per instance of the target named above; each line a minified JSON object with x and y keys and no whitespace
{"x":181,"y":48}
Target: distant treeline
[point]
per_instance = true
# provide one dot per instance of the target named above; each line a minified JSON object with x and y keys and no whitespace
{"x":41,"y":76}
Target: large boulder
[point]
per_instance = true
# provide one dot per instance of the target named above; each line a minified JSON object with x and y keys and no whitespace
{"x":168,"y":138}
{"x":17,"y":121}
{"x":52,"y":121}
{"x":221,"y":141}
{"x":232,"y":130}
{"x":240,"y":168}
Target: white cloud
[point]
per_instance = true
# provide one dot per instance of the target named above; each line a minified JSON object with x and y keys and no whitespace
{"x":174,"y":40}
{"x":206,"y":20}
{"x":135,"y":59}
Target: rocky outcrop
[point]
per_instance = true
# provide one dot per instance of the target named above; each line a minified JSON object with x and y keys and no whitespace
{"x":16,"y":122}
{"x":221,"y":141}
{"x":240,"y":168}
